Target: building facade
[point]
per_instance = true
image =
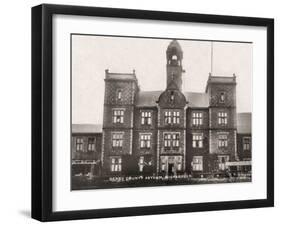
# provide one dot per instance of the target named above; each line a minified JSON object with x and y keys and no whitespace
{"x":171,"y":132}
{"x":168,"y":132}
{"x":86,"y":145}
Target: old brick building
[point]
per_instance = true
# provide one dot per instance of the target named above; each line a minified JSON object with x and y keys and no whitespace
{"x":86,"y":149}
{"x":172,"y":132}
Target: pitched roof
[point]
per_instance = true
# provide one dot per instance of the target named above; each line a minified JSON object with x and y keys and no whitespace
{"x":197,"y":99}
{"x":86,"y":128}
{"x":244,"y":122}
{"x":149,"y":98}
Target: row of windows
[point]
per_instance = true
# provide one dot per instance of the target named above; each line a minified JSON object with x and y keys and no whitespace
{"x":170,"y":117}
{"x":80,"y":144}
{"x":116,"y":164}
{"x":197,"y":162}
{"x":171,"y":140}
{"x":197,"y":118}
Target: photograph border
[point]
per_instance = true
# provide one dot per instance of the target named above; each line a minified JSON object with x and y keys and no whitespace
{"x":42,"y":118}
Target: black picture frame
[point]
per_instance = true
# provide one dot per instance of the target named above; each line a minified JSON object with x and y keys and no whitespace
{"x":42,"y":106}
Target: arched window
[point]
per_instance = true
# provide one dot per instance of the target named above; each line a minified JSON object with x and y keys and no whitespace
{"x":172,"y":97}
{"x":222,"y":97}
{"x":119,"y":94}
{"x":174,"y":57}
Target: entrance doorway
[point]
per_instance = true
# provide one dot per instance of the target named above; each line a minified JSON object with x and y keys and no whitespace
{"x":170,"y":165}
{"x":170,"y":169}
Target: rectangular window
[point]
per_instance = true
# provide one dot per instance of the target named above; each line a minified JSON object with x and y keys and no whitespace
{"x":118,"y":116}
{"x":222,"y":118}
{"x":222,"y":159}
{"x":163,"y":165}
{"x":117,"y":140}
{"x":172,"y":117}
{"x":197,"y":118}
{"x":146,"y":118}
{"x":91,"y":144}
{"x":197,"y":163}
{"x":178,"y":160}
{"x":116,"y":164}
{"x":145,"y":140}
{"x":79,"y":144}
{"x":197,"y":140}
{"x":141,"y":163}
{"x":246,"y":143}
{"x":222,"y":140}
{"x":171,"y":140}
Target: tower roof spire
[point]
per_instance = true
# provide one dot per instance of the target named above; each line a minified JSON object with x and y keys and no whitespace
{"x":174,"y":48}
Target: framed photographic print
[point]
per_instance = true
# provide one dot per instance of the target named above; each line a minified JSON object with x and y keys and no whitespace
{"x":146,"y":112}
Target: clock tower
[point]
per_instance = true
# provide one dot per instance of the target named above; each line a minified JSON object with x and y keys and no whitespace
{"x":174,"y":56}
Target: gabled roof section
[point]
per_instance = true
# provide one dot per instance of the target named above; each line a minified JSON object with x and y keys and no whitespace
{"x":244,"y":122}
{"x":86,"y":128}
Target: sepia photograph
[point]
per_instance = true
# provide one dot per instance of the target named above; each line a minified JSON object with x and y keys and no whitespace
{"x":156,"y":111}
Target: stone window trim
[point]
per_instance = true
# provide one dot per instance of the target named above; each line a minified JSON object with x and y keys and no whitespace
{"x":145,"y":140}
{"x":197,"y":118}
{"x":91,"y":144}
{"x":79,"y":144}
{"x":146,"y":117}
{"x":115,"y":163}
{"x":222,"y":118}
{"x":117,"y":139}
{"x":222,"y":139}
{"x":197,"y":163}
{"x":171,"y":117}
{"x":246,"y":141}
{"x":197,"y":140}
{"x":222,"y":159}
{"x":171,"y":140}
{"x":118,"y":115}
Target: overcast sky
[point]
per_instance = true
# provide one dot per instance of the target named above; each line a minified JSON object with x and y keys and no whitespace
{"x":91,"y":55}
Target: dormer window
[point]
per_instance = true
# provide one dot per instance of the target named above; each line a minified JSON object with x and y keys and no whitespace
{"x":222,"y":97}
{"x":172,"y":97}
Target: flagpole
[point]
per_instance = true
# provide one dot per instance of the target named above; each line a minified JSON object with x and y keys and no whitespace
{"x":212,"y":58}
